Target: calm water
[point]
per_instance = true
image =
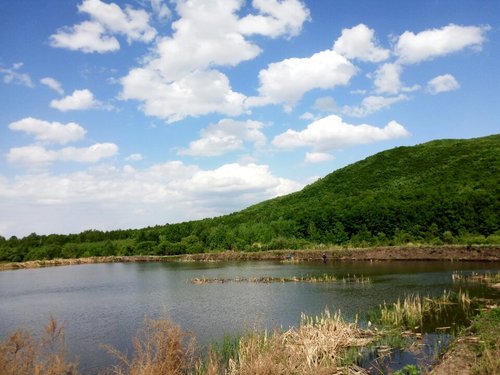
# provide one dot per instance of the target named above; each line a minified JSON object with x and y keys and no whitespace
{"x":107,"y":303}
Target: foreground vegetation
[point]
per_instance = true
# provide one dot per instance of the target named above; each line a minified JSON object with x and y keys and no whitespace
{"x":441,"y":192}
{"x":326,"y":344}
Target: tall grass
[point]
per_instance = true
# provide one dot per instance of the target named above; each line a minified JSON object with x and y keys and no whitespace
{"x":415,"y":312}
{"x":23,"y":354}
{"x":161,"y":347}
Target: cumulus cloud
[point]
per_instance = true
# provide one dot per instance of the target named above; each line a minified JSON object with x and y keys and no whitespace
{"x":387,"y":79}
{"x":49,"y":132}
{"x":317,"y":157}
{"x":132,"y":23}
{"x":286,"y":81}
{"x":12,"y":75}
{"x":225,"y":136}
{"x":53,"y":84}
{"x":359,"y":43}
{"x":413,"y":48}
{"x":161,"y":10}
{"x":107,"y":20}
{"x":442,"y":83}
{"x":372,"y":104}
{"x":78,"y":100}
{"x":276,"y":18}
{"x":166,"y":192}
{"x":37,"y":155}
{"x":87,"y":37}
{"x":196,"y":94}
{"x":331,"y":132}
{"x":205,"y":36}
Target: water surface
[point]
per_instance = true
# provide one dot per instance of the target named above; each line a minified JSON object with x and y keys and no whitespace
{"x":107,"y":303}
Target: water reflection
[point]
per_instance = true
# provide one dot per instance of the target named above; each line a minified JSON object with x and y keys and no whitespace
{"x":107,"y":303}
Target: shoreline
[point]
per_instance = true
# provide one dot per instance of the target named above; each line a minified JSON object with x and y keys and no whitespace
{"x":483,"y":253}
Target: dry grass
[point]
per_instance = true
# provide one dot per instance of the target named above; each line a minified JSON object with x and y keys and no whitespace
{"x":22,"y":354}
{"x":325,"y":278}
{"x":316,"y":347}
{"x":161,"y":347}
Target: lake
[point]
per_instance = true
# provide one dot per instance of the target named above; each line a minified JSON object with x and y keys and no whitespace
{"x":107,"y":303}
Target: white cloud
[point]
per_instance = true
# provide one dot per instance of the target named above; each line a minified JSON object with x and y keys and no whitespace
{"x":330,"y":133}
{"x":413,"y":48}
{"x":325,"y":104}
{"x":276,"y":18}
{"x":206,"y":35}
{"x":442,"y":83}
{"x":134,"y":157}
{"x":12,"y":75}
{"x":317,"y":157}
{"x":372,"y":104}
{"x":132,"y":23}
{"x":167,"y":192}
{"x":359,"y":43}
{"x":225,"y":136}
{"x":88,"y":37}
{"x":107,"y":20}
{"x":53,"y":84}
{"x":387,"y":79}
{"x":49,"y":132}
{"x":161,"y":10}
{"x":286,"y":81}
{"x":196,"y":94}
{"x":306,"y":116}
{"x":78,"y":100}
{"x":37,"y":155}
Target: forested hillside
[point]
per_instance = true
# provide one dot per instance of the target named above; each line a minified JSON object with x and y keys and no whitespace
{"x":445,"y":191}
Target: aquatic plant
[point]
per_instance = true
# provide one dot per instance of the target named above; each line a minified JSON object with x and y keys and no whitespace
{"x":415,"y":312}
{"x":324,"y":278}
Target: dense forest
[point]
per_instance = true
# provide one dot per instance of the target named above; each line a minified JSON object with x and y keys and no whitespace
{"x":441,"y":192}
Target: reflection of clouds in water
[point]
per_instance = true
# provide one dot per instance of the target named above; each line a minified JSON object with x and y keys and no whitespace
{"x":107,"y":303}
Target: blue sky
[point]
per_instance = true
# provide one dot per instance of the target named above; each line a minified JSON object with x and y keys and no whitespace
{"x":132,"y":113}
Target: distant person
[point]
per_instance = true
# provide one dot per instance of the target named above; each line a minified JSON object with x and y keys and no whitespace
{"x":324,"y":257}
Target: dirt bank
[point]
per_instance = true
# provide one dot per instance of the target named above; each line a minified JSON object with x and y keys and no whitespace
{"x":447,"y":253}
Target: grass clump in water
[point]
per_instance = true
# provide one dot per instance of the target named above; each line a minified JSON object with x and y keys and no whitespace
{"x":428,"y":314}
{"x":324,"y":278}
{"x":491,"y":279}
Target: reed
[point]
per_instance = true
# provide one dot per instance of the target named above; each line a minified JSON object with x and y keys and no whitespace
{"x":22,"y":354}
{"x":413,"y":312}
{"x":487,"y":278}
{"x":324,"y":278}
{"x":161,"y":347}
{"x":318,"y":346}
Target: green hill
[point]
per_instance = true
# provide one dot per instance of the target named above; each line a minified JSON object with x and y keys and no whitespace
{"x":445,"y":191}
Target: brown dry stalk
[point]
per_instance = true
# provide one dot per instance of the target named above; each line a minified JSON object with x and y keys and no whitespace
{"x":21,"y":354}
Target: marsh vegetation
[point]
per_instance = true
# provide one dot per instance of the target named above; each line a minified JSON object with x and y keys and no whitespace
{"x":324,"y":344}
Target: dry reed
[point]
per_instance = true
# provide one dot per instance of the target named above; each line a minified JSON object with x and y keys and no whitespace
{"x":161,"y":347}
{"x":317,"y":346}
{"x":22,"y":354}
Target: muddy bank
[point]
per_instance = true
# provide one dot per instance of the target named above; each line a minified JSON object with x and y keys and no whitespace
{"x":447,"y":253}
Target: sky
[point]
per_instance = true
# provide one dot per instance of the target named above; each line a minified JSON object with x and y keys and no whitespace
{"x":126,"y":114}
